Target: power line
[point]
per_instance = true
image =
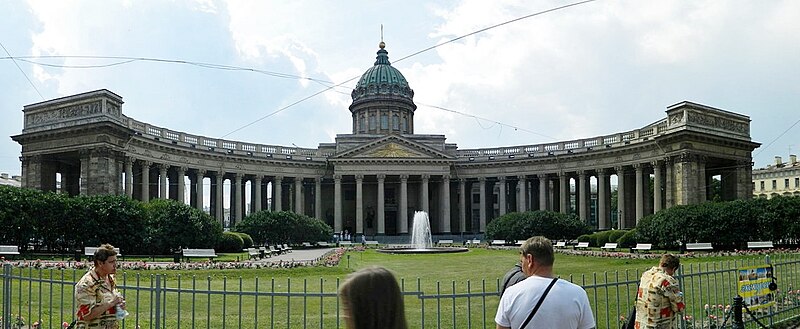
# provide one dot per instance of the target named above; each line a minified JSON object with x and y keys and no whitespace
{"x":21,"y":71}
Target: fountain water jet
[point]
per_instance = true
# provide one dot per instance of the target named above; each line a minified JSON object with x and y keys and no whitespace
{"x":421,"y":241}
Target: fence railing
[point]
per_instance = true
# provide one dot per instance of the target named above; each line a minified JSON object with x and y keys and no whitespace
{"x":177,"y":300}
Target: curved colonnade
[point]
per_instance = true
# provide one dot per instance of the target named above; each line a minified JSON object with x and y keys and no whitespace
{"x":372,"y":183}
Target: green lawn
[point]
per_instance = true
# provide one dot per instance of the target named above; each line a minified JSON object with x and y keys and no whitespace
{"x":305,"y":297}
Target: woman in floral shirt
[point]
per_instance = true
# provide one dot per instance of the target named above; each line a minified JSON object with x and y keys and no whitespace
{"x":659,"y":298}
{"x":96,"y":293}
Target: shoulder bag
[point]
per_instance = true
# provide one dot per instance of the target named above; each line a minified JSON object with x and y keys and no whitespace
{"x":536,"y":308}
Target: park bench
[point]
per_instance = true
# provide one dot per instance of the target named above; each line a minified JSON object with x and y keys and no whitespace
{"x":306,"y":245}
{"x":274,"y":250}
{"x":472,"y":243}
{"x":609,"y":245}
{"x":642,"y":246}
{"x":561,"y":244}
{"x":263,"y":252}
{"x":199,"y":253}
{"x":323,"y":244}
{"x":253,"y":253}
{"x":371,"y":243}
{"x":89,"y":252}
{"x":582,"y":245}
{"x":285,"y":248}
{"x":345,"y":243}
{"x":498,"y":243}
{"x":9,"y":250}
{"x":444,"y":242}
{"x":699,"y":246}
{"x":759,"y":244}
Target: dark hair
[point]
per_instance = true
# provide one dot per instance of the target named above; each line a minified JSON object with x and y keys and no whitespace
{"x":540,"y":248}
{"x":101,"y":254}
{"x":371,"y":298}
{"x":669,"y":261}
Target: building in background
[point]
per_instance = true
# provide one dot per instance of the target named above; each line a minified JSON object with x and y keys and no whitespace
{"x":780,"y":178}
{"x":15,"y":181}
{"x":373,"y":179}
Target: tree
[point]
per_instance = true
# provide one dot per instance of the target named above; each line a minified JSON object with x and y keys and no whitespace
{"x":278,"y":227}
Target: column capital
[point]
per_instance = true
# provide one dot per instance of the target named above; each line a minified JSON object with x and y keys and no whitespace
{"x":337,"y":178}
{"x":619,"y":169}
{"x":425,"y":176}
{"x":541,"y":176}
{"x":668,"y":160}
{"x":238,"y":177}
{"x":581,"y":173}
{"x":655,"y":163}
{"x":359,"y":177}
{"x":146,"y":163}
{"x":601,"y":172}
{"x":446,"y":178}
{"x":404,"y":178}
{"x":481,"y":179}
{"x":278,"y":178}
{"x":201,"y":172}
{"x":183,"y":169}
{"x":638,"y":166}
{"x":501,"y":178}
{"x":163,"y":167}
{"x":381,"y":177}
{"x":522,"y":177}
{"x":462,"y":180}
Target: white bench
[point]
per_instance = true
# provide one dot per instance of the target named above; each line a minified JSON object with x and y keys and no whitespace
{"x":609,"y":245}
{"x":759,"y":244}
{"x":444,"y":242}
{"x":263,"y":252}
{"x":582,"y":245}
{"x":345,"y":243}
{"x":561,"y":244}
{"x":199,"y":253}
{"x":306,"y":245}
{"x":473,"y":242}
{"x":699,"y":246}
{"x":9,"y":250}
{"x":323,"y":244}
{"x":371,"y":243}
{"x":253,"y":253}
{"x":285,"y":248}
{"x":274,"y":250}
{"x":498,"y":243}
{"x":643,"y":246}
{"x":89,"y":251}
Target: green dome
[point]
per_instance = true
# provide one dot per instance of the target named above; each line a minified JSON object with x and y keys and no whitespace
{"x":382,"y":80}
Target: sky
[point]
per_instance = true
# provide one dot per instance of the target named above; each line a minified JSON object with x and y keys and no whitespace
{"x":588,"y":70}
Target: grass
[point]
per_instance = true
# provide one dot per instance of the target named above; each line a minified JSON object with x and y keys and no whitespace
{"x":306,"y":297}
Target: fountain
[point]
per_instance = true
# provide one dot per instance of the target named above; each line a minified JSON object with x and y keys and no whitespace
{"x":421,"y":242}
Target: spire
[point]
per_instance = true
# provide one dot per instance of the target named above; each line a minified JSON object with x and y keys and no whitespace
{"x":383,"y":55}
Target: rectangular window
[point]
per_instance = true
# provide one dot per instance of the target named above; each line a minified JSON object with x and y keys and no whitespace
{"x":786,"y":183}
{"x":384,"y":121}
{"x":797,"y":183}
{"x":774,"y":185}
{"x":762,"y":185}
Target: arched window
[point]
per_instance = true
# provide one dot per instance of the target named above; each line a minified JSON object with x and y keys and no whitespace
{"x":395,"y":122}
{"x":384,"y":121}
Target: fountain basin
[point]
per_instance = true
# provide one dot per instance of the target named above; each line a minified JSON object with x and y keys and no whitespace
{"x":429,"y":250}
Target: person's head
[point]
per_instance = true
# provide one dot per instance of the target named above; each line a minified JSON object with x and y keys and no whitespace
{"x":536,"y":253}
{"x":669,"y":263}
{"x":371,"y":298}
{"x":105,"y":259}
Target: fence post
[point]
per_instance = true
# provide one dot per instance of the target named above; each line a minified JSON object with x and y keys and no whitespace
{"x":738,"y":323}
{"x":158,"y":302}
{"x":6,"y":297}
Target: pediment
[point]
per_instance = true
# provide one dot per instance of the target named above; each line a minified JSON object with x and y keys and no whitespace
{"x":393,"y":147}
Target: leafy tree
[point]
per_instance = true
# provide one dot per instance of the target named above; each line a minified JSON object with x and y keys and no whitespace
{"x":174,"y":225}
{"x":271,"y":227}
{"x":521,"y":226}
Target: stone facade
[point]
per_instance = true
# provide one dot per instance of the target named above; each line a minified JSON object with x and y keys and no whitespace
{"x":373,"y":182}
{"x":778,"y":179}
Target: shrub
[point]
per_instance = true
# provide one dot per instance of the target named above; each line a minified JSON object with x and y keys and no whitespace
{"x":614,"y":235}
{"x":585,"y":238}
{"x":278,"y":227}
{"x":601,"y":238}
{"x":248,"y":241}
{"x":521,"y":226}
{"x":628,"y":240}
{"x":173,"y":225}
{"x":230,"y":242}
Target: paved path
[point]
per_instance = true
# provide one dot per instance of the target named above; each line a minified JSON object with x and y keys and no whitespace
{"x":299,"y":255}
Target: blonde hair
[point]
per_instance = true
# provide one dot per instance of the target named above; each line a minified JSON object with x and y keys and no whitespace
{"x":541,"y":248}
{"x":371,"y":298}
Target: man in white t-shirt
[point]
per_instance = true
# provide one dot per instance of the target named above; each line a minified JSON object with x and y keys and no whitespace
{"x":565,"y":306}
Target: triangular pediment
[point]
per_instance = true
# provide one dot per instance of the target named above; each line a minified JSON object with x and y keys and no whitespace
{"x":393,"y":147}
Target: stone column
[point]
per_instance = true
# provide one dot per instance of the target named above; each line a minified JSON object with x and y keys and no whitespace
{"x":277,"y":197}
{"x":522,"y":193}
{"x":162,"y":181}
{"x":445,"y":227}
{"x":220,"y":208}
{"x":462,"y":205}
{"x":318,"y":198}
{"x":298,"y":195}
{"x":621,"y":222}
{"x":639,"y":191}
{"x":337,"y":203}
{"x":744,"y":179}
{"x":146,"y":181}
{"x":603,"y":199}
{"x":501,"y":200}
{"x":85,"y":158}
{"x":381,"y":207}
{"x":181,"y":185}
{"x":563,"y":195}
{"x":542,"y":191}
{"x":129,"y":177}
{"x":669,"y":183}
{"x":402,"y":219}
{"x":199,"y":181}
{"x":657,"y":177}
{"x":256,"y":186}
{"x":583,"y":192}
{"x":424,"y":193}
{"x":237,"y":198}
{"x":359,"y":204}
{"x":482,"y":183}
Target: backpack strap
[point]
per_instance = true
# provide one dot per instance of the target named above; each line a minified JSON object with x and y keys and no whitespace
{"x":536,"y":308}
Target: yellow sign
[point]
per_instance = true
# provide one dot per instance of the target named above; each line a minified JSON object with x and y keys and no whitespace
{"x":754,"y":286}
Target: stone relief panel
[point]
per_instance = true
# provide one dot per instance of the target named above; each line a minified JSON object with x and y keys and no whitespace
{"x":392,"y":150}
{"x":718,"y":122}
{"x":81,"y":110}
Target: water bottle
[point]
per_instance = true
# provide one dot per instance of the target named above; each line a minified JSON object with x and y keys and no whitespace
{"x":121,"y":313}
